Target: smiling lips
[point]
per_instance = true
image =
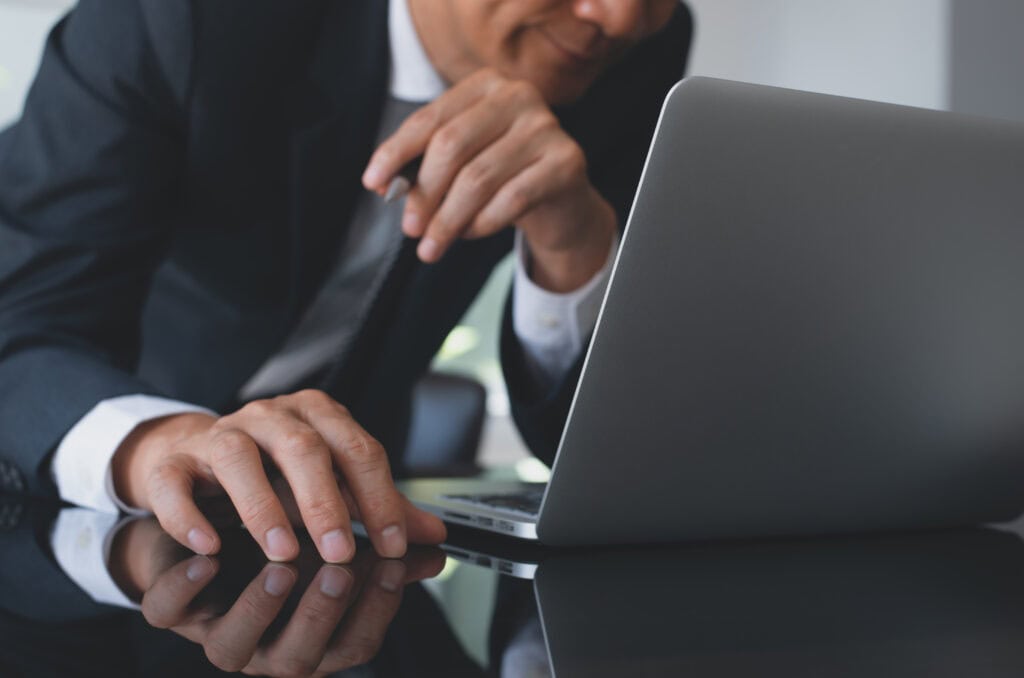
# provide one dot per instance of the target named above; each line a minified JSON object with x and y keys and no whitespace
{"x":593,"y":52}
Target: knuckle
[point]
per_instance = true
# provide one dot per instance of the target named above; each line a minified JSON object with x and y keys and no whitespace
{"x":314,"y":396}
{"x":258,"y":509}
{"x":476,"y":177}
{"x":572,"y":158}
{"x":490,"y":76}
{"x":539,"y":122}
{"x":443,"y":229}
{"x":225,"y":423}
{"x":162,"y":482}
{"x":256,"y":607}
{"x":302,"y":442}
{"x":324,"y":511}
{"x":366,"y":452}
{"x":483,"y":225}
{"x":425,"y":117}
{"x":518,"y":200}
{"x":319,"y":613}
{"x":230,"y":448}
{"x":449,"y":140}
{"x":385,"y":154}
{"x":258,"y":408}
{"x":377,"y":510}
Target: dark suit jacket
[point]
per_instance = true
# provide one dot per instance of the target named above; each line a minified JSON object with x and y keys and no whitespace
{"x":182,"y":176}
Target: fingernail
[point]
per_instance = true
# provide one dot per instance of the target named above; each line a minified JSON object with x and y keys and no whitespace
{"x":373,"y":176}
{"x":428,"y":250}
{"x":392,"y":542}
{"x":411,"y":224}
{"x":334,"y":581}
{"x":278,"y":580}
{"x":336,"y":547}
{"x":200,"y":542}
{"x":280,"y":545}
{"x":391,"y":574}
{"x":199,"y":569}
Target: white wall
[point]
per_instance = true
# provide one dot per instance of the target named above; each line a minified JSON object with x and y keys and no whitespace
{"x":887,"y":50}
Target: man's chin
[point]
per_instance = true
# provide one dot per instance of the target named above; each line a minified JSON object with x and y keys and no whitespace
{"x":561,"y":91}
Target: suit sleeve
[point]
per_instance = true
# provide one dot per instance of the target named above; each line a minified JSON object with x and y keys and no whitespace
{"x":88,"y":181}
{"x":538,"y":410}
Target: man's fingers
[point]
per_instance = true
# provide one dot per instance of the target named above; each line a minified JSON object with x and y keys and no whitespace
{"x":474,"y":187}
{"x":366,"y":624}
{"x":234,"y":637}
{"x":236,"y":462}
{"x":520,"y":195}
{"x":449,"y":151}
{"x":166,"y":603}
{"x":364,"y":467}
{"x":170,"y":492}
{"x":305,"y":459}
{"x":423,"y":527}
{"x":411,"y":139}
{"x":300,"y":647}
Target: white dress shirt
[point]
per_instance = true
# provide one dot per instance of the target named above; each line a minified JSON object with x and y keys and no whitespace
{"x":551,"y":327}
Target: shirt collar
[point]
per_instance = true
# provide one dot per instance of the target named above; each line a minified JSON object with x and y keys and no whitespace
{"x":413,"y":77}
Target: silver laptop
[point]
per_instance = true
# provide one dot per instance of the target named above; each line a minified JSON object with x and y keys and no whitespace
{"x":815,"y":324}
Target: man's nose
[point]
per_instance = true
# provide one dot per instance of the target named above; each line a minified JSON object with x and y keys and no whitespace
{"x":617,"y":18}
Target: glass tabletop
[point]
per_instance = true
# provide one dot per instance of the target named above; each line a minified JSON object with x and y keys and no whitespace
{"x":944,"y":603}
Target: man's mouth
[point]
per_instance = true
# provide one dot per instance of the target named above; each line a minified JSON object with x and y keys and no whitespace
{"x":576,"y":53}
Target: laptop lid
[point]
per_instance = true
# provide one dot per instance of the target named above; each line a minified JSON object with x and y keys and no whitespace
{"x":815,"y":324}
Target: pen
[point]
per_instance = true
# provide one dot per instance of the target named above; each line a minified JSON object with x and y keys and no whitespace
{"x":403,"y":181}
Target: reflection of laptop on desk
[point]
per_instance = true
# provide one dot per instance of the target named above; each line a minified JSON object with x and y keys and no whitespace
{"x":815,"y":324}
{"x":936,"y":604}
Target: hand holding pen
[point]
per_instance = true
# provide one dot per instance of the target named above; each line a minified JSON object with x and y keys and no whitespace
{"x":487,"y":154}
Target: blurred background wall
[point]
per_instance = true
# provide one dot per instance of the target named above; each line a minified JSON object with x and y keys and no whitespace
{"x":986,"y":57}
{"x":886,"y":50}
{"x":964,"y":55}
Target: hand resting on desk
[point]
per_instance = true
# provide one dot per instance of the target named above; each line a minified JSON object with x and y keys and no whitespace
{"x":335,"y":469}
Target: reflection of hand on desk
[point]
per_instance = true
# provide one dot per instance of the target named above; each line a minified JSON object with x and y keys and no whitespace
{"x":267,"y":618}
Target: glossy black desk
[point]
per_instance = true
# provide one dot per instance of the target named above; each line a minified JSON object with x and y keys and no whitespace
{"x":922,"y":604}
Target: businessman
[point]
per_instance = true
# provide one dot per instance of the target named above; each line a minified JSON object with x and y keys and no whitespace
{"x":202,"y":292}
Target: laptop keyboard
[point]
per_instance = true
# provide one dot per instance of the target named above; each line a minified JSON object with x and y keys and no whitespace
{"x":525,"y":502}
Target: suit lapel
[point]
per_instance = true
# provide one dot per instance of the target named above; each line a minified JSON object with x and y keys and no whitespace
{"x":337,"y":115}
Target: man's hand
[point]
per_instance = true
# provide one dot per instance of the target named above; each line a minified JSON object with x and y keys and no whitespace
{"x":336,"y":471}
{"x":495,"y":155}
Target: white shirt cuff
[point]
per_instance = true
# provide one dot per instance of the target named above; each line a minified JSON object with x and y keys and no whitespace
{"x":81,"y":541}
{"x":552,"y":327}
{"x":82,"y":463}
